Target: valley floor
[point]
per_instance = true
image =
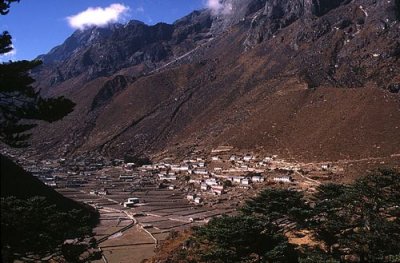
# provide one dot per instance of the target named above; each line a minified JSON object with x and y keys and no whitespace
{"x":174,"y":195}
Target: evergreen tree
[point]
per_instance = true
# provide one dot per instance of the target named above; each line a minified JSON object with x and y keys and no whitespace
{"x":243,"y":239}
{"x":277,"y":204}
{"x":362,"y":219}
{"x":5,"y":6}
{"x":20,"y":103}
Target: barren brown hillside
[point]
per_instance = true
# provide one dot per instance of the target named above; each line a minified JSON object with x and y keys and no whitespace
{"x":302,"y":84}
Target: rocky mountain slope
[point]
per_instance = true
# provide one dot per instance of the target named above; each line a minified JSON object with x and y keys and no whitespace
{"x":305,"y":79}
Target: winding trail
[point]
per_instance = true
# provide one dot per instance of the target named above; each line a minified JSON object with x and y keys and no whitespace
{"x":174,"y":60}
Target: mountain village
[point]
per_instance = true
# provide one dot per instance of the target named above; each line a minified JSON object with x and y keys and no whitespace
{"x":158,"y":199}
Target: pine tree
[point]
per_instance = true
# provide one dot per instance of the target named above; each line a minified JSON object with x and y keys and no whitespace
{"x":20,"y":103}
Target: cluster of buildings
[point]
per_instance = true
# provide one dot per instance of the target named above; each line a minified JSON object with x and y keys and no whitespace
{"x":202,"y":177}
{"x":198,"y":177}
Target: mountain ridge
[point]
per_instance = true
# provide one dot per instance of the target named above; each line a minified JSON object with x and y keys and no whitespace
{"x":305,"y":79}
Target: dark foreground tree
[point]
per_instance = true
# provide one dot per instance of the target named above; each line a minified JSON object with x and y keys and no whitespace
{"x":5,"y":6}
{"x":20,"y":104}
{"x":361,"y":221}
{"x":274,"y":205}
{"x":243,"y":239}
{"x":37,"y":226}
{"x":35,"y":219}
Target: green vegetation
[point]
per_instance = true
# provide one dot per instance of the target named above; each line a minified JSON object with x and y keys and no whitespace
{"x":353,"y":223}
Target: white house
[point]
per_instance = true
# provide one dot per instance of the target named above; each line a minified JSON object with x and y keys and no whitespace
{"x":161,"y":166}
{"x":247,"y":158}
{"x":131,"y":202}
{"x":103,"y":192}
{"x":191,"y":197}
{"x":325,"y":167}
{"x":204,"y":187}
{"x":257,"y":179}
{"x":195,"y":181}
{"x":200,"y":171}
{"x":167,"y":177}
{"x":283,"y":179}
{"x":198,"y":200}
{"x":218,"y":189}
{"x":127,"y":204}
{"x":267,"y":159}
{"x":237,"y":179}
{"x":184,"y":168}
{"x":51,"y":184}
{"x":211,"y":182}
{"x":245,"y":181}
{"x":261,"y":164}
{"x":175,"y":167}
{"x":215,"y":158}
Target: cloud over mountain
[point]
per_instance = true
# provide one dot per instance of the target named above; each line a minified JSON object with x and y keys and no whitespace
{"x":219,"y":7}
{"x":98,"y":16}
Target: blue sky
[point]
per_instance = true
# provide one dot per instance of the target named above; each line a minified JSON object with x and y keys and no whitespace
{"x":39,"y":25}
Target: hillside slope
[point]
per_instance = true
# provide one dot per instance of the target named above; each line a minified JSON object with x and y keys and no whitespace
{"x":16,"y":182}
{"x":310,"y":80}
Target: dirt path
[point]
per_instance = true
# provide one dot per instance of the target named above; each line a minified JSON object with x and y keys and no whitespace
{"x":174,"y":60}
{"x":308,"y":179}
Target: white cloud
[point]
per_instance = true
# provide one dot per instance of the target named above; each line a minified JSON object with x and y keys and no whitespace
{"x":97,"y":16}
{"x":219,"y":7}
{"x":214,"y":4}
